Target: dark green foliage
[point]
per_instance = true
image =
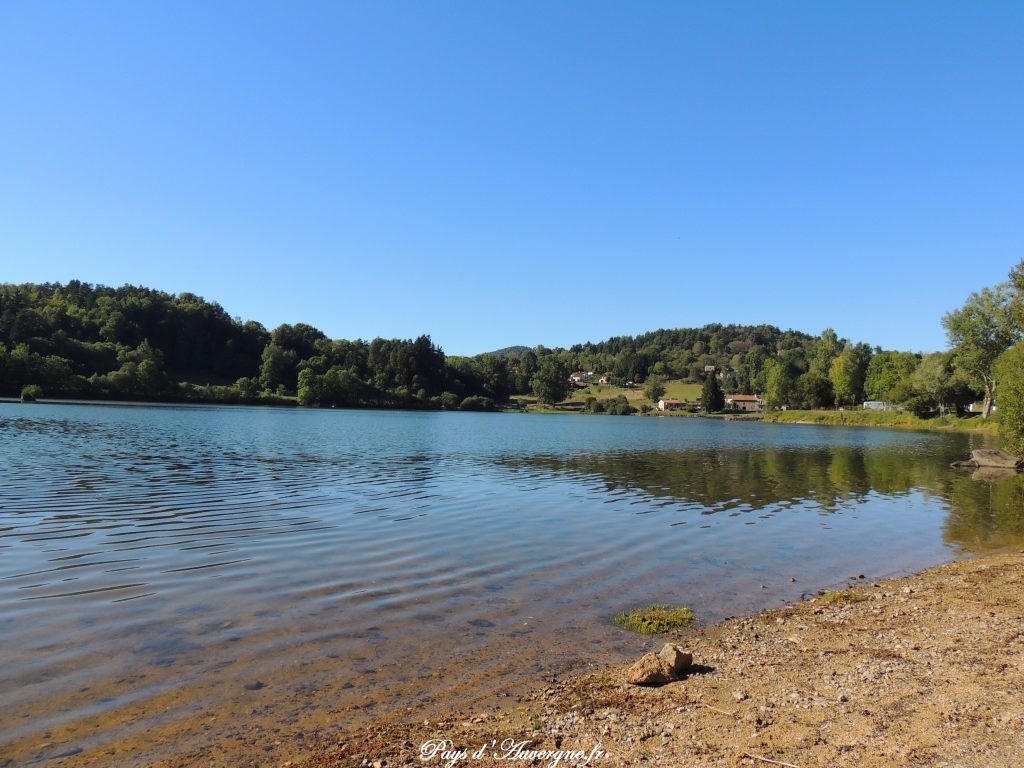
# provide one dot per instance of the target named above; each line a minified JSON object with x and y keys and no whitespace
{"x":551,"y":384}
{"x":1009,"y":371}
{"x":80,"y":340}
{"x":618,"y":406}
{"x":712,"y":399}
{"x":476,"y":403}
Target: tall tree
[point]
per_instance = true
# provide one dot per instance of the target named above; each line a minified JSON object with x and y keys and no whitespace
{"x":712,"y":398}
{"x":933,"y":381}
{"x":826,"y":350}
{"x":847,"y":374}
{"x":551,"y":384}
{"x":654,"y":388}
{"x":979,"y":333}
{"x":778,"y":388}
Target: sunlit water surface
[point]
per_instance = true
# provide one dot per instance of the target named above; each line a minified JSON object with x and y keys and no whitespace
{"x":158,"y":563}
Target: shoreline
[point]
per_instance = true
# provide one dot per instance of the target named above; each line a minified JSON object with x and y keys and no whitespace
{"x":917,"y":669}
{"x":819,"y":418}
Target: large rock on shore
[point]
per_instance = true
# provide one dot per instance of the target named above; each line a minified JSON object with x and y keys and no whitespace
{"x":676,"y":658}
{"x":650,"y":669}
{"x":659,"y":668}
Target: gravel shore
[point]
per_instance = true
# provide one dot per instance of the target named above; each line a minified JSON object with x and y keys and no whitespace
{"x":925,"y":670}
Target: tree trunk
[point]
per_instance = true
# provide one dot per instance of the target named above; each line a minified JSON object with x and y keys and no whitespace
{"x":990,"y":390}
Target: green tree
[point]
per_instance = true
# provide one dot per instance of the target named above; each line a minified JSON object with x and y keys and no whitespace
{"x":932,"y":380}
{"x":30,"y":393}
{"x":654,"y":388}
{"x":814,"y":390}
{"x":779,"y":383}
{"x":712,"y":399}
{"x":826,"y":350}
{"x":551,"y":384}
{"x":889,"y":375}
{"x":1009,"y":370}
{"x":277,"y":367}
{"x":847,"y":374}
{"x":979,"y":333}
{"x":1017,"y":283}
{"x":308,"y":387}
{"x":248,"y":387}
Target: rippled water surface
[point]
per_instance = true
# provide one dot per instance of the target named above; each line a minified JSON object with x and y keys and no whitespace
{"x":157,"y":563}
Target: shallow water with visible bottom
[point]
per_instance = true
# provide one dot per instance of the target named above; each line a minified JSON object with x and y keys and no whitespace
{"x":222,"y":581}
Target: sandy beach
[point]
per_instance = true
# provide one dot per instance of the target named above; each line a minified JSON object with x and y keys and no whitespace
{"x":922,"y":670}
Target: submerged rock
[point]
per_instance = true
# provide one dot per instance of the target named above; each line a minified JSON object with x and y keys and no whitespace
{"x":986,"y":457}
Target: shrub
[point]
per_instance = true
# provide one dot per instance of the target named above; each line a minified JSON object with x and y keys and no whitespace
{"x":619,"y":406}
{"x":477,"y":403}
{"x":1009,"y":369}
{"x":30,"y":393}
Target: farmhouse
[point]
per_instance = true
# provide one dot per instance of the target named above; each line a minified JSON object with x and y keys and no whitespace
{"x":671,"y":405}
{"x":744,"y":402}
{"x":581,"y":377}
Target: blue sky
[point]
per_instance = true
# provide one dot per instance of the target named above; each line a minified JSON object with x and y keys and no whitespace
{"x":521,"y":173}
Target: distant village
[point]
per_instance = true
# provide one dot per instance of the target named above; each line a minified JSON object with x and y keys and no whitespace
{"x":750,"y":403}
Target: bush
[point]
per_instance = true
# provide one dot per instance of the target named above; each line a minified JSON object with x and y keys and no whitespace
{"x":30,"y":393}
{"x":450,"y":401}
{"x":477,"y":403}
{"x":619,"y":406}
{"x":1009,"y":370}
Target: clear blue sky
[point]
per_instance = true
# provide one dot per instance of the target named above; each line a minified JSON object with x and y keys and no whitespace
{"x":521,"y":172}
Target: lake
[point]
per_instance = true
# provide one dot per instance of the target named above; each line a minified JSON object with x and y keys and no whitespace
{"x":226,"y":580}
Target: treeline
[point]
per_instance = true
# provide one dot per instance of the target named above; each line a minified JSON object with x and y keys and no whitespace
{"x":81,"y":340}
{"x":84,"y":341}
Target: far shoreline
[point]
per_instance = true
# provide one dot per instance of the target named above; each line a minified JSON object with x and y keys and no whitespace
{"x":818,"y":418}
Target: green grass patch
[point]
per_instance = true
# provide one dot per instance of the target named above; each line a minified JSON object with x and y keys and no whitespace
{"x":842,"y":597}
{"x":903,"y":420}
{"x":674,"y":390}
{"x":655,"y":619}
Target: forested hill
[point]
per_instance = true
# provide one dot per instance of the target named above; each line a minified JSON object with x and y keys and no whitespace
{"x":81,"y":340}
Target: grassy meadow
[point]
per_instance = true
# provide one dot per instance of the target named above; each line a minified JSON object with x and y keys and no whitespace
{"x":677,"y":390}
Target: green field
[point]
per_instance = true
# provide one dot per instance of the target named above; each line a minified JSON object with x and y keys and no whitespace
{"x":677,"y":390}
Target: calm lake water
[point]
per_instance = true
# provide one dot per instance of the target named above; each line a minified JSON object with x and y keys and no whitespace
{"x":314,"y":568}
